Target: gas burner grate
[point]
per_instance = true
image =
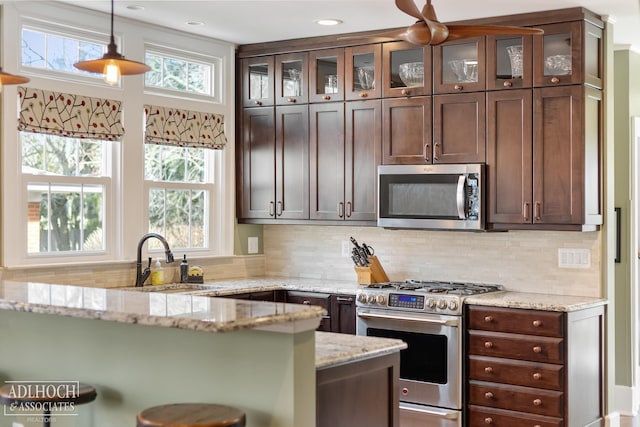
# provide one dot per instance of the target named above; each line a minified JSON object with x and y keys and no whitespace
{"x":440,"y":287}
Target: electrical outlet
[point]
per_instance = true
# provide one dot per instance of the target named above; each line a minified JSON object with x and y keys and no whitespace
{"x":252,"y":245}
{"x":574,"y":258}
{"x":346,"y":248}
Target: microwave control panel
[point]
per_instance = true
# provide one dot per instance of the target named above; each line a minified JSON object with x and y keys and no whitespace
{"x":473,"y":196}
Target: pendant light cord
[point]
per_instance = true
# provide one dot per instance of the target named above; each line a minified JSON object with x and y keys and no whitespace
{"x":113,"y":40}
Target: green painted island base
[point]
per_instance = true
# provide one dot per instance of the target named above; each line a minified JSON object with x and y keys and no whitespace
{"x":269,"y":375}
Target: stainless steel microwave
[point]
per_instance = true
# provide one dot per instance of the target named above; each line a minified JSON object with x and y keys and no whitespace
{"x":440,"y":197}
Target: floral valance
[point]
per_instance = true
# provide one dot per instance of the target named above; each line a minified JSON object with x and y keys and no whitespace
{"x":58,"y":113}
{"x":185,"y":128}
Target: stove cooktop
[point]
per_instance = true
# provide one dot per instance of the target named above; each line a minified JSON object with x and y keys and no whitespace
{"x":438,"y":287}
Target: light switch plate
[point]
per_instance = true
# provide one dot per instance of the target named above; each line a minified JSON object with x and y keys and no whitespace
{"x":346,"y":248}
{"x":252,"y":245}
{"x":574,"y":258}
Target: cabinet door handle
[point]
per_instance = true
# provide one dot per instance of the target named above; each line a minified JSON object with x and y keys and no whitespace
{"x":526,"y":209}
{"x":488,"y":420}
{"x":436,"y":151}
{"x":537,"y":375}
{"x":363,"y":95}
{"x":347,"y":300}
{"x":537,"y":210}
{"x":458,"y":87}
{"x":326,"y":97}
{"x":555,"y":80}
{"x":488,"y":318}
{"x":258,"y":103}
{"x":537,"y":323}
{"x":292,"y":100}
{"x":537,"y":402}
{"x":349,"y":210}
{"x":488,"y":344}
{"x":279,"y":209}
{"x":488,"y":370}
{"x":507,"y":83}
{"x":340,"y":209}
{"x":271,"y":208}
{"x":306,"y":302}
{"x":488,"y":395}
{"x":425,"y":152}
{"x":537,"y":349}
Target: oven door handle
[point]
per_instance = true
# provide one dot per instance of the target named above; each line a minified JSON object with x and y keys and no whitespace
{"x":461,"y":197}
{"x":450,"y":322}
{"x":448,"y":415}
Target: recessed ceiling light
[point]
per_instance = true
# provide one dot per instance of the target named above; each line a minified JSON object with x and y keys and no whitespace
{"x":328,"y":21}
{"x":195,"y":23}
{"x":135,"y":7}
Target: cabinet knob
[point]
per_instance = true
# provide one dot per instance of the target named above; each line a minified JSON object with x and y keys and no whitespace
{"x":507,"y":83}
{"x":537,"y":323}
{"x":555,"y":80}
{"x":488,"y":318}
{"x":488,"y":370}
{"x":537,"y":402}
{"x":488,"y":395}
{"x":488,"y":344}
{"x":292,"y":100}
{"x":537,"y":349}
{"x":258,"y":102}
{"x":405,"y":92}
{"x":537,"y":376}
{"x":537,"y":425}
{"x":488,"y":420}
{"x":326,"y":97}
{"x":458,"y":87}
{"x":306,"y":302}
{"x":363,"y":95}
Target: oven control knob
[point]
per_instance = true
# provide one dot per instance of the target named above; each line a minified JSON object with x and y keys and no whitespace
{"x":453,"y":306}
{"x":442,"y":304}
{"x":362,"y":298}
{"x":381,"y":299}
{"x":431,"y":303}
{"x":371,"y":299}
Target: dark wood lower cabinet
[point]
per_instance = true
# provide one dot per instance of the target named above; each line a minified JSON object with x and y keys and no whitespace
{"x":359,"y":394}
{"x":343,"y":314}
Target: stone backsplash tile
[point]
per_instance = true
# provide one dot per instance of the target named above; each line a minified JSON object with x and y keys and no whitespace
{"x":525,"y":261}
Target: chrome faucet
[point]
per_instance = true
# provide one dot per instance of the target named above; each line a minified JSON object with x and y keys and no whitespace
{"x":141,"y":276}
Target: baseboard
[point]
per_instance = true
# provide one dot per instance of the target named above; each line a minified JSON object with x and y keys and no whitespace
{"x":612,"y":420}
{"x":627,"y":400}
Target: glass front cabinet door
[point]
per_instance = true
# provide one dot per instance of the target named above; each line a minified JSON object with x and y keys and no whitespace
{"x":326,"y":75}
{"x":292,"y":74}
{"x":459,"y":66}
{"x":406,"y":69}
{"x":257,"y":81}
{"x":363,"y":69}
{"x":509,"y":62}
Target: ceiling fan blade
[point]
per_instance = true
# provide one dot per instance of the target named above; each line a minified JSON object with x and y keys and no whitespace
{"x":464,"y":31}
{"x":399,"y":34}
{"x":419,"y":34}
{"x":409,"y":7}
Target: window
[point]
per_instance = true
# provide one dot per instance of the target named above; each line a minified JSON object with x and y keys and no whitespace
{"x":179,"y":74}
{"x":66,"y":185}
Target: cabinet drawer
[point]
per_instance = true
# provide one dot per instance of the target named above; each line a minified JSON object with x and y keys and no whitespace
{"x":516,"y":398}
{"x":309,"y":298}
{"x":516,"y":346}
{"x":483,"y":417}
{"x":530,"y":374}
{"x":519,"y":321}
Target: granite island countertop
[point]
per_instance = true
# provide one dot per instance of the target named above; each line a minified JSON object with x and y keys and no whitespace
{"x":334,"y":349}
{"x":509,"y":299}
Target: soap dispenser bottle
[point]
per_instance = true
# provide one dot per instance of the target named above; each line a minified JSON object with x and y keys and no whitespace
{"x":184,"y":270}
{"x":157,"y":275}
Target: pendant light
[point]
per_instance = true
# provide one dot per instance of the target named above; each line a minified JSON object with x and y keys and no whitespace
{"x":112,"y":64}
{"x":11,"y":79}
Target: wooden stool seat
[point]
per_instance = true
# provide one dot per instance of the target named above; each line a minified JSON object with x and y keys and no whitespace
{"x":47,"y":395}
{"x":191,"y":415}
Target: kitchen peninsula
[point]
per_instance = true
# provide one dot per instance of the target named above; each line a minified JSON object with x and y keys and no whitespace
{"x":141,"y":349}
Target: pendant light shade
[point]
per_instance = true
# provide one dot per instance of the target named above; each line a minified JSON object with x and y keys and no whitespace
{"x":112,"y":64}
{"x":11,"y":79}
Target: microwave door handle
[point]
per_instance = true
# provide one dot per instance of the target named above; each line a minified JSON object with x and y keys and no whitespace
{"x":460,"y":197}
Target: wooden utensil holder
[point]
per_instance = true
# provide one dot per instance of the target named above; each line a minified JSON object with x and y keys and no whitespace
{"x":373,"y":273}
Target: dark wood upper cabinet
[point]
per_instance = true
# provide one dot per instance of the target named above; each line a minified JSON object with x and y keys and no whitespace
{"x":568,"y":53}
{"x":509,"y":62}
{"x":406,"y":69}
{"x":459,"y":66}
{"x":326,"y":75}
{"x":406,"y":128}
{"x":258,"y":81}
{"x":363,"y":72}
{"x":292,"y":78}
{"x":459,"y":128}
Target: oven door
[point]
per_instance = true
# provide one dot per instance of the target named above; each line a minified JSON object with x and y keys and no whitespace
{"x":431,"y":365}
{"x":412,"y":415}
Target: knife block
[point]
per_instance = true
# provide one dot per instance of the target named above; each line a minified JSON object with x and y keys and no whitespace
{"x":373,"y":273}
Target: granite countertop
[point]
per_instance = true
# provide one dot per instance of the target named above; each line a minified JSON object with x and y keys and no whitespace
{"x":533,"y":301}
{"x":336,"y":349}
{"x":194,"y":312}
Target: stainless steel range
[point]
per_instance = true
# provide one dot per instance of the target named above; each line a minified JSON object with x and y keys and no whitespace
{"x":427,"y":315}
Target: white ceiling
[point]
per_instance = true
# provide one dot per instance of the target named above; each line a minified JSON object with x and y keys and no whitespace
{"x":253,"y":21}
